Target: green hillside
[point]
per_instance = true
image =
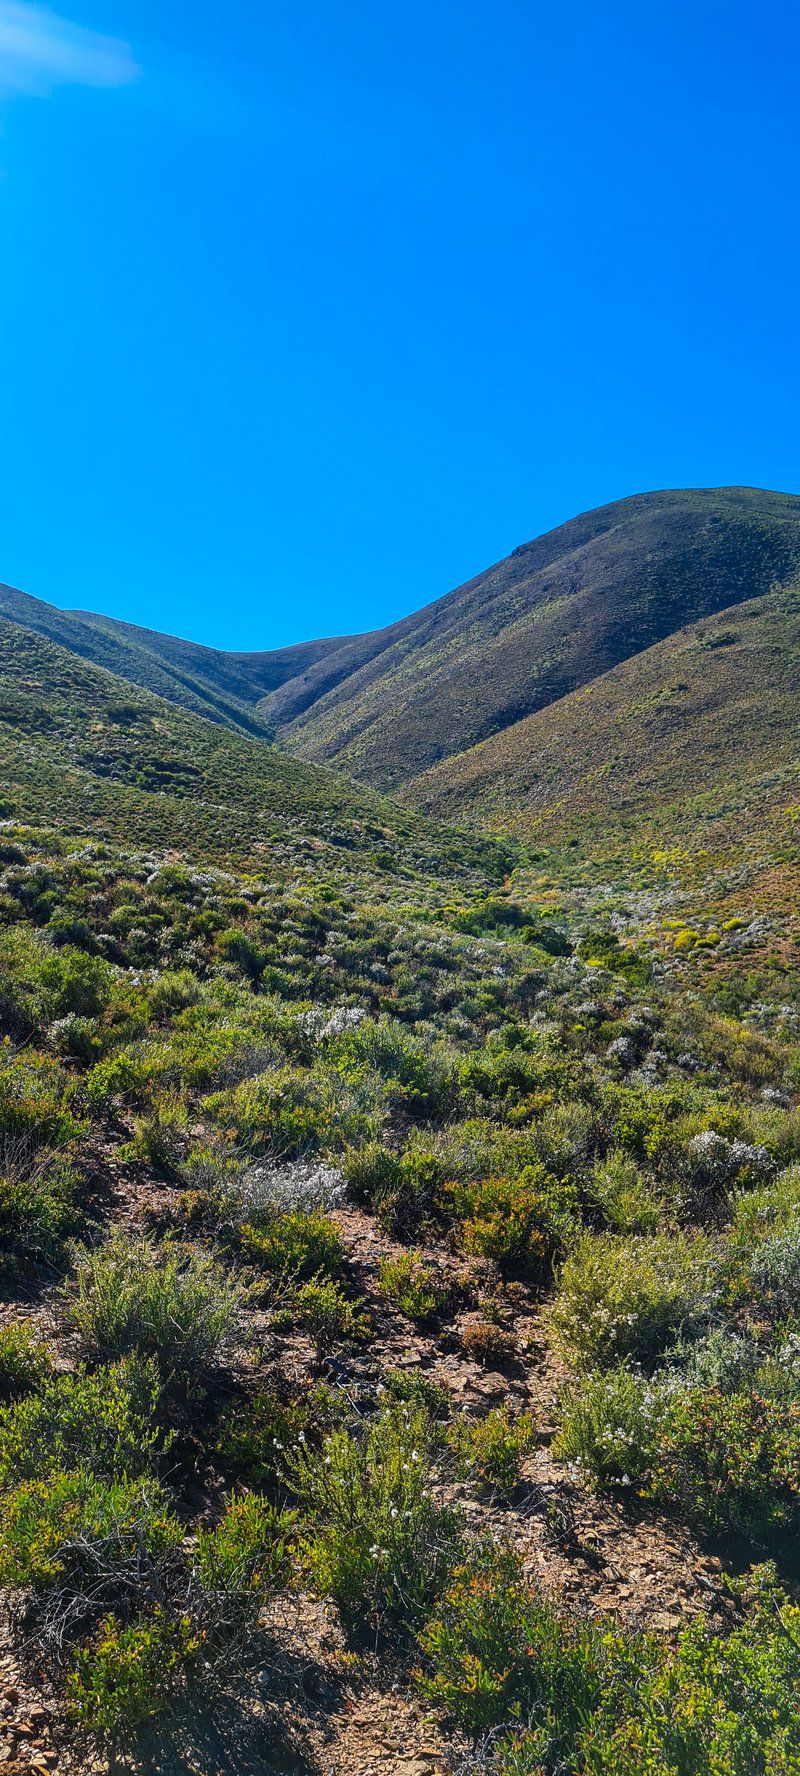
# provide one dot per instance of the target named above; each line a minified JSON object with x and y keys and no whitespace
{"x":676,"y":775}
{"x":85,"y":750}
{"x":700,"y":729}
{"x":400,"y":1225}
{"x":225,"y":687}
{"x":554,"y":615}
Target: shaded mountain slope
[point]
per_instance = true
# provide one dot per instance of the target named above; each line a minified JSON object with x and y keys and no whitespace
{"x":554,"y":615}
{"x":225,"y":687}
{"x":92,"y":753}
{"x":697,"y":733}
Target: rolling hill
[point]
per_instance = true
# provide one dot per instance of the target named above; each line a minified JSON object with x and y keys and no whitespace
{"x":225,"y":687}
{"x":91,"y":753}
{"x":556,"y":614}
{"x":697,"y":723}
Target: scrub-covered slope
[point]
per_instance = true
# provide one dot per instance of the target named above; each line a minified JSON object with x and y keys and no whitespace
{"x":701,"y":728}
{"x":223,"y":686}
{"x":553,"y":616}
{"x":84,"y":748}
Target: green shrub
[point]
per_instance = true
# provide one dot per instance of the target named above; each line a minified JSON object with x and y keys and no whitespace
{"x":607,"y":1428}
{"x":494,"y":1650}
{"x":242,"y":1559}
{"x":24,"y":1360}
{"x":413,"y":1073}
{"x":597,"y":1701}
{"x":289,"y":1112}
{"x":621,"y":1298}
{"x":323,"y":1309}
{"x":770,"y":1210}
{"x":76,"y":1532}
{"x":719,"y":1705}
{"x":36,"y":1102}
{"x":624,"y":1196}
{"x":378,"y":1543}
{"x":295,"y":1245}
{"x":730,"y":1460}
{"x":104,"y":1422}
{"x":491,"y":1450}
{"x":158,"y":1138}
{"x":126,"y":1674}
{"x":37,"y":1210}
{"x":416,"y":1390}
{"x":520,"y":1222}
{"x":405,"y":1193}
{"x":773,"y":1279}
{"x":256,"y":1433}
{"x":175,"y":1306}
{"x":416,"y":1285}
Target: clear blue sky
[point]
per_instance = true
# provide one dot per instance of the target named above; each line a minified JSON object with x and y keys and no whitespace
{"x":310,"y":309}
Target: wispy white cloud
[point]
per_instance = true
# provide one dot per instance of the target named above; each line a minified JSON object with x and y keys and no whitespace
{"x":39,"y":50}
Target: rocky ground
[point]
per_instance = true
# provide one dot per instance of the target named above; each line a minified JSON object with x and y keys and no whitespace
{"x":319,"y":1709}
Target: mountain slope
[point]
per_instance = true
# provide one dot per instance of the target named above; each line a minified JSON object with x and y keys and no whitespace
{"x":85,"y":750}
{"x":698,"y":733}
{"x":554,"y":615}
{"x":225,"y":687}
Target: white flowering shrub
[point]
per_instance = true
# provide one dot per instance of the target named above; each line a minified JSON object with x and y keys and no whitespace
{"x":377,"y":1541}
{"x":262,"y":1192}
{"x":607,"y":1428}
{"x":718,"y":1161}
{"x":775,"y":1275}
{"x":630,"y":1298}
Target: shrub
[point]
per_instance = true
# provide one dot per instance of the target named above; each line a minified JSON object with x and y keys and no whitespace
{"x":158,"y":1138}
{"x":770,"y":1210}
{"x":409,"y":1200}
{"x":295,"y":1246}
{"x":240,"y":1561}
{"x":730,"y":1460}
{"x":378,"y":1543}
{"x":412,"y":1073}
{"x":290,"y":1112}
{"x":491,"y":1450}
{"x":416,"y":1285}
{"x":36,"y":1102}
{"x":263,"y":1192}
{"x":606,"y":1428}
{"x":104,"y":1422}
{"x":774,"y":1276}
{"x":322,"y":1307}
{"x":713,"y":1165}
{"x":255,"y":1433}
{"x":624,"y":1196}
{"x":24,"y":1360}
{"x":520,"y":1222}
{"x":173,"y":1306}
{"x":488,"y":1344}
{"x":417,"y":1390}
{"x":718,"y":1705}
{"x":125,"y":1674}
{"x":494,"y":1650}
{"x":624,"y":1298}
{"x":88,"y":1539}
{"x":37,"y":1210}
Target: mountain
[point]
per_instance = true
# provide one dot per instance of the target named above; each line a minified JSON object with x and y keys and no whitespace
{"x":698,"y":733}
{"x":225,"y":687}
{"x":91,"y":753}
{"x":556,"y":614}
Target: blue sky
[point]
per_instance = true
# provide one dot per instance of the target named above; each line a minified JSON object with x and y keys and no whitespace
{"x":310,"y":309}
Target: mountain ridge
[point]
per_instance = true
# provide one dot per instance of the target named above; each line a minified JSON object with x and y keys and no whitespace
{"x":557,"y":612}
